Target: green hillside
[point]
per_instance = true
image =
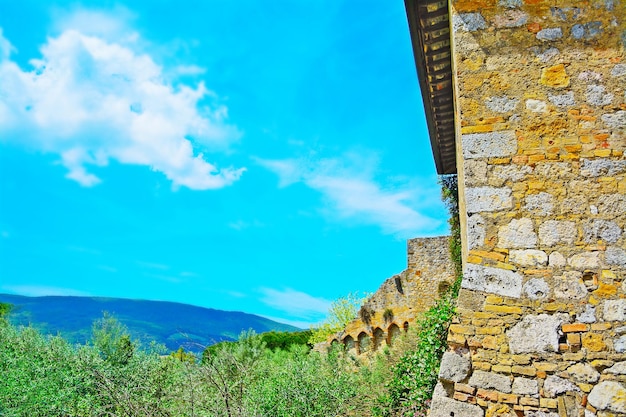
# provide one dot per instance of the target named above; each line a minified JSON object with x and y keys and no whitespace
{"x":171,"y":324}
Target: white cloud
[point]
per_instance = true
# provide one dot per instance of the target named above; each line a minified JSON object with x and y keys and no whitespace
{"x":41,"y":290}
{"x":348,"y":184}
{"x":90,"y":101}
{"x":296,"y":303}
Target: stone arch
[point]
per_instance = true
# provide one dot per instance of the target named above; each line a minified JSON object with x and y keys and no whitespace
{"x":348,"y":343}
{"x":377,"y":338}
{"x":364,"y":343}
{"x":393,"y":332}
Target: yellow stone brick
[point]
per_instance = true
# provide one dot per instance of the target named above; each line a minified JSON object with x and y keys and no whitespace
{"x":481,"y":366}
{"x":593,"y":342}
{"x":494,"y":299}
{"x":499,"y":161}
{"x":503,"y":265}
{"x":608,"y":274}
{"x":489,"y":330}
{"x":536,"y":185}
{"x":546,"y":366}
{"x":461,"y":329}
{"x":483,"y":315}
{"x":603,"y":153}
{"x":524,"y":370}
{"x":548,"y":403}
{"x":555,"y":76}
{"x":501,"y":369}
{"x":489,"y":255}
{"x":605,"y":290}
{"x":585,"y":387}
{"x":600,"y":326}
{"x":477,"y":129}
{"x":521,"y":359}
{"x":503,"y":309}
{"x":555,"y":307}
{"x":473,"y":259}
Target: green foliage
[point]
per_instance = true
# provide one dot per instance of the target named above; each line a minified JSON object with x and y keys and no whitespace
{"x":388,"y":315}
{"x":5,"y":309}
{"x":341,"y":312}
{"x":285,"y":340}
{"x":112,"y":340}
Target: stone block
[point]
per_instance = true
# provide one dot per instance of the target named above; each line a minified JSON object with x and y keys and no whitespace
{"x":454,"y":367}
{"x":574,"y":327}
{"x":617,"y":369}
{"x":550,"y":34}
{"x":602,"y":167}
{"x":475,"y":172}
{"x":502,"y":104}
{"x":585,"y":261}
{"x":593,"y":342}
{"x":556,"y":260}
{"x":490,"y":380}
{"x":536,"y":333}
{"x":618,"y":70}
{"x":615,"y":120}
{"x":446,"y":407}
{"x":583,"y":373}
{"x":587,"y":316}
{"x":519,"y":233}
{"x":596,"y":229}
{"x":612,"y":204}
{"x":489,"y":144}
{"x":553,"y":232}
{"x":541,"y":204}
{"x":492,"y":280}
{"x":608,"y":395}
{"x":554,"y":385}
{"x":525,"y":386}
{"x":528,"y":257}
{"x":570,"y":286}
{"x":615,"y":256}
{"x":486,"y":199}
{"x":524,"y":370}
{"x":563,"y":100}
{"x":468,"y":22}
{"x":615,"y":310}
{"x":596,"y":95}
{"x":536,"y":289}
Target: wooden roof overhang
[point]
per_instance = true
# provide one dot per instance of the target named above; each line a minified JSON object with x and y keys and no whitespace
{"x":429,"y":24}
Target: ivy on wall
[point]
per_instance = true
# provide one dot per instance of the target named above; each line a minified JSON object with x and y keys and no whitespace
{"x":414,"y":377}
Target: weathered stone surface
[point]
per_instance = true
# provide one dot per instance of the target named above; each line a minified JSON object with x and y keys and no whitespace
{"x":588,"y":316}
{"x":489,"y":145}
{"x":563,"y":100}
{"x":618,"y":369}
{"x":525,"y":386}
{"x":510,"y":173}
{"x":583,"y":372}
{"x":619,"y":344}
{"x":550,"y":34}
{"x":570,"y":286}
{"x":585,"y":260}
{"x":553,"y":232}
{"x":555,"y":76}
{"x":541,"y":204}
{"x":556,"y":260}
{"x":602,"y":167}
{"x":597,"y":95}
{"x":596,"y":229}
{"x":490,"y":380}
{"x":511,"y":19}
{"x":446,"y":407}
{"x":501,"y":104}
{"x":618,"y":70}
{"x":475,"y":231}
{"x":615,"y":256}
{"x":492,"y":280}
{"x":480,"y":199}
{"x":615,"y":310}
{"x":553,"y":386}
{"x":519,"y":233}
{"x":528,"y":257}
{"x":576,"y":204}
{"x":454,"y":367}
{"x":536,"y":289}
{"x":536,"y":334}
{"x":539,"y":413}
{"x":612,"y":204}
{"x":475,"y":172}
{"x":615,"y":120}
{"x":608,"y":395}
{"x":536,"y":106}
{"x":469,"y":22}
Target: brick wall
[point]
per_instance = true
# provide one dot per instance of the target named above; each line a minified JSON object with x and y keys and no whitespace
{"x":541,"y":108}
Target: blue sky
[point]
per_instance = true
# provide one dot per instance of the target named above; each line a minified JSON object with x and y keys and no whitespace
{"x":266,"y":157}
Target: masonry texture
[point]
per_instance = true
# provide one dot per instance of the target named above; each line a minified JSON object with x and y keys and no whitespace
{"x":401,"y":298}
{"x":541,"y":133}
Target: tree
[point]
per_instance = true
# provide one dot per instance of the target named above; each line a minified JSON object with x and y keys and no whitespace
{"x":341,"y":312}
{"x":5,"y":309}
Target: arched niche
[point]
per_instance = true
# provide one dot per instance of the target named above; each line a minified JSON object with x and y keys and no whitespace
{"x":364,"y":343}
{"x":378,"y":336}
{"x":393,"y":332}
{"x":348,"y":343}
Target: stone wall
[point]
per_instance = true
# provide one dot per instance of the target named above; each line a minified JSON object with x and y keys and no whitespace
{"x":541,"y":132}
{"x":401,"y":298}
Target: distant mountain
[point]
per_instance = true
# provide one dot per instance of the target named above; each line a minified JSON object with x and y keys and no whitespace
{"x":171,"y":324}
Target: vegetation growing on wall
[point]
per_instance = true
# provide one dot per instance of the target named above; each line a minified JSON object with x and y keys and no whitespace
{"x":341,"y":312}
{"x":415,"y":375}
